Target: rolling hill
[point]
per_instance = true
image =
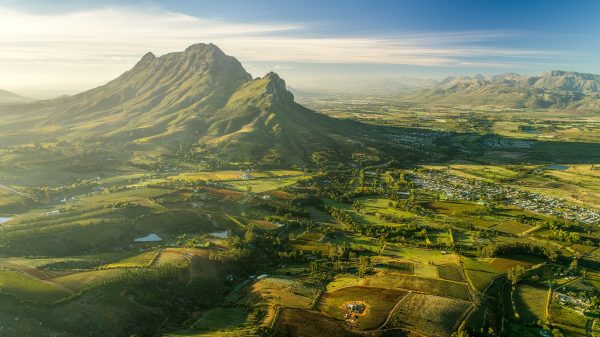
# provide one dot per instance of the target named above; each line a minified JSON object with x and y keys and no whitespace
{"x":553,"y":89}
{"x":200,"y":96}
{"x":7,"y":97}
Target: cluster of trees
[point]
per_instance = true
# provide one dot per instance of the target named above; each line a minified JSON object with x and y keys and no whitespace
{"x":158,"y":274}
{"x":340,"y":215}
{"x":566,"y":232}
{"x":509,"y":248}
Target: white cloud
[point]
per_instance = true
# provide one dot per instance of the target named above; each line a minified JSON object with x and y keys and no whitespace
{"x":76,"y":50}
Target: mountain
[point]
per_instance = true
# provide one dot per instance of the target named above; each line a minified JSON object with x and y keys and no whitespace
{"x":7,"y":97}
{"x":553,"y":89}
{"x":200,"y":96}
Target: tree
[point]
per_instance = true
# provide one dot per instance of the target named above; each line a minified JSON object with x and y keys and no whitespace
{"x":314,"y":269}
{"x":573,"y":265}
{"x":249,"y":235}
{"x":515,"y":274}
{"x":364,"y":265}
{"x":339,"y":266}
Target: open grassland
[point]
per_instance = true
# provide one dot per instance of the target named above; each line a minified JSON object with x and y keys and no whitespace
{"x":425,"y":270}
{"x":262,"y":185}
{"x":310,"y":241}
{"x":530,"y":302}
{"x":140,"y":260}
{"x":239,"y":332}
{"x":278,"y":291}
{"x":583,"y":249}
{"x":487,"y":173}
{"x":82,"y":280}
{"x":480,"y":273}
{"x":393,"y":265}
{"x":221,"y":318}
{"x":408,"y":282}
{"x":258,"y":182}
{"x":511,"y":227}
{"x":379,"y":303}
{"x":372,"y":207}
{"x":381,"y":206}
{"x":424,"y":256}
{"x":28,"y":288}
{"x":227,"y":175}
{"x":579,"y":185}
{"x":429,"y":315}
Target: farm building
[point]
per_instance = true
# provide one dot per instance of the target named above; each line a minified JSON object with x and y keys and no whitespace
{"x":150,"y":238}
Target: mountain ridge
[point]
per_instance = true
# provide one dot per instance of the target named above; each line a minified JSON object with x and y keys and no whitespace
{"x":552,"y":89}
{"x":199,"y":96}
{"x":7,"y":97}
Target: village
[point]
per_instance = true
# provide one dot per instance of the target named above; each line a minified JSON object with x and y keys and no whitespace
{"x":471,"y":189}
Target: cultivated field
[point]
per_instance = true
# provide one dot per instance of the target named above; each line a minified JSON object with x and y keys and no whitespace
{"x":379,"y":303}
{"x":429,"y":315}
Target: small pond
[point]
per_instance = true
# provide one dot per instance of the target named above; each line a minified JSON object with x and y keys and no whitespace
{"x":557,"y":167}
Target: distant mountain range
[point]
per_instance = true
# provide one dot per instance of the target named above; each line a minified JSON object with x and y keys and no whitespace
{"x":553,"y":89}
{"x":7,"y":97}
{"x":199,"y":96}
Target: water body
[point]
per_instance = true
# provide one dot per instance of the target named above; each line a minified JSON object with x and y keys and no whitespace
{"x":4,"y":219}
{"x":557,"y":167}
{"x":220,"y":235}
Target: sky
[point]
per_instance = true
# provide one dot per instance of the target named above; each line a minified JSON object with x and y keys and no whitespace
{"x":50,"y":48}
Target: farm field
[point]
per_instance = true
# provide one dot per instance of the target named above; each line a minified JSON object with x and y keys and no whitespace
{"x":81,"y":280}
{"x":221,"y":319}
{"x":450,"y":272}
{"x":28,"y":288}
{"x":429,"y":315}
{"x":277,"y":291}
{"x":568,"y":319}
{"x":302,"y":323}
{"x":141,"y":260}
{"x":438,"y":287}
{"x":379,"y":302}
{"x":531,"y":302}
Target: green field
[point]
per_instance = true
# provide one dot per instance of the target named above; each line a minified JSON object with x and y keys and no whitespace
{"x":81,"y":280}
{"x":28,"y":288}
{"x":221,"y":318}
{"x":141,"y":260}
{"x":531,"y":302}
{"x":400,"y":281}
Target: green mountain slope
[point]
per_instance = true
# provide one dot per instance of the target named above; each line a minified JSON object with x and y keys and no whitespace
{"x":199,"y":97}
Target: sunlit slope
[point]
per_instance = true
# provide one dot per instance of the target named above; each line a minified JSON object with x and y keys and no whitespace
{"x":199,"y":97}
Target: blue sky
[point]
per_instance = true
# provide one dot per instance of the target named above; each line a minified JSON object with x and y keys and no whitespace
{"x":68,"y":46}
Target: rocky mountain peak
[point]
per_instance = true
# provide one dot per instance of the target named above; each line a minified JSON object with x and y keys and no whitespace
{"x":276,"y":86}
